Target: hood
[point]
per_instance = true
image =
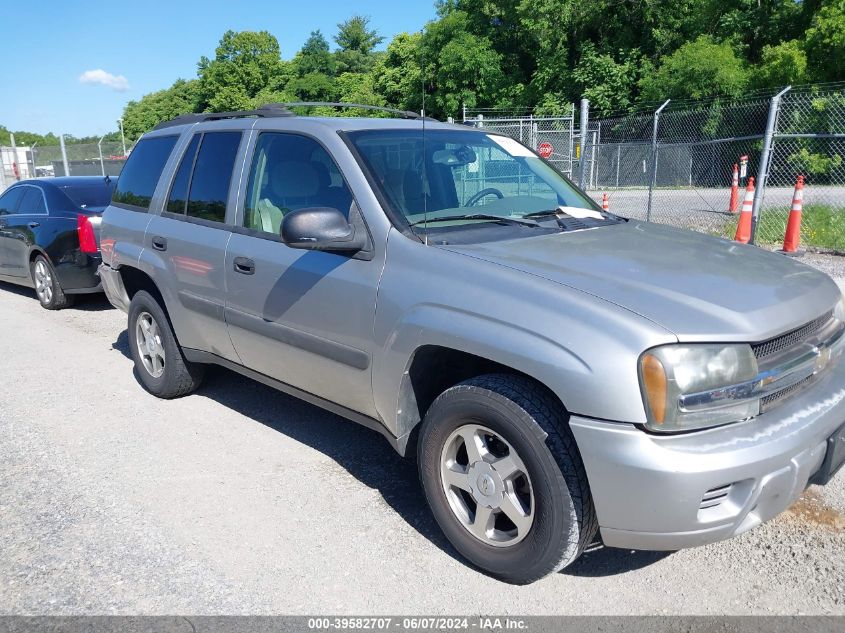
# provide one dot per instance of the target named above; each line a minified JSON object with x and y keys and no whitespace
{"x":700,"y":288}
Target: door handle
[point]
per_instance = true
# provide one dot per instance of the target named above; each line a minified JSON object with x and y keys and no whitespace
{"x":244,"y":266}
{"x":34,"y":225}
{"x":159,"y":243}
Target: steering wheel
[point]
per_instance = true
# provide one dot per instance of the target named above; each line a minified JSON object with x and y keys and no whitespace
{"x":490,"y":191}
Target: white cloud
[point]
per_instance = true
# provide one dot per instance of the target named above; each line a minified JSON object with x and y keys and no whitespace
{"x":99,"y":76}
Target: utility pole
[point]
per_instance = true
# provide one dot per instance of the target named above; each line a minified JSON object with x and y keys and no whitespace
{"x":64,"y":154}
{"x":585,"y":115}
{"x":122,"y":137}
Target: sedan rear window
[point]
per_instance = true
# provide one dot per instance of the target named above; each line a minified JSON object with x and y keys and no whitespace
{"x":90,"y":196}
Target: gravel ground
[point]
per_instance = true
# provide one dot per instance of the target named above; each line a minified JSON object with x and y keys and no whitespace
{"x":239,"y":499}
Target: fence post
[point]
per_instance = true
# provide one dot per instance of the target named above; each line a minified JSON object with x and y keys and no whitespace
{"x":2,"y":171}
{"x":653,"y":180}
{"x":585,"y":115}
{"x":64,"y":154}
{"x":15,"y":156}
{"x":100,"y":150}
{"x":765,"y":161}
{"x":618,"y":159}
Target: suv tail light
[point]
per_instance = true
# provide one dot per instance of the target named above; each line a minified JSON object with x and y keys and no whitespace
{"x":87,"y":241}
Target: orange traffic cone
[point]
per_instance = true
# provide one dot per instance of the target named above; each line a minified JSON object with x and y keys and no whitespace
{"x":793,"y":227}
{"x":743,"y":228}
{"x":605,"y":203}
{"x":733,"y":206}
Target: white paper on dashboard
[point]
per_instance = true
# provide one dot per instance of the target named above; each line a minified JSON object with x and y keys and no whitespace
{"x":577,"y":212}
{"x":511,"y":146}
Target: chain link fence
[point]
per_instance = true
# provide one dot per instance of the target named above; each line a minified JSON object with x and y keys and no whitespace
{"x":675,"y":165}
{"x":78,"y":159}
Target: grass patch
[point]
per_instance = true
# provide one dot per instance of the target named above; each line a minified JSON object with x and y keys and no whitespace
{"x":822,"y":226}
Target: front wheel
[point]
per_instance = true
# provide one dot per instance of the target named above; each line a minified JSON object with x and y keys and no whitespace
{"x":159,"y":361}
{"x":504,"y":478}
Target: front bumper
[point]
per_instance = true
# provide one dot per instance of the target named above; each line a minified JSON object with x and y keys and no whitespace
{"x":113,"y":287}
{"x":659,"y":492}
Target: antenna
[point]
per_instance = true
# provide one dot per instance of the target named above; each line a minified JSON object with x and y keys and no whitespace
{"x":424,"y":173}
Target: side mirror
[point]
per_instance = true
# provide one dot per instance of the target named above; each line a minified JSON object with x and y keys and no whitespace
{"x":320,"y":229}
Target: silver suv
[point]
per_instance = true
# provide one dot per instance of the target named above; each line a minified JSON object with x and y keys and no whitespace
{"x":559,"y":372}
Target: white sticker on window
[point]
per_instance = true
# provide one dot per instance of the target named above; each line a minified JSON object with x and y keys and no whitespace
{"x":577,"y":212}
{"x":511,"y":146}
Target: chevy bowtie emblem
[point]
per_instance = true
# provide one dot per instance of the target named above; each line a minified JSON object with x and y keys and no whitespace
{"x":823,"y":359}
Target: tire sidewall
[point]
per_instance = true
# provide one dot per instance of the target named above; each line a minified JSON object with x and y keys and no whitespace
{"x":142,"y":301}
{"x":554,"y":532}
{"x":53,"y":282}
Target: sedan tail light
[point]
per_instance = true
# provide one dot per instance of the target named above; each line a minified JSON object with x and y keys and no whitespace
{"x":87,"y":240}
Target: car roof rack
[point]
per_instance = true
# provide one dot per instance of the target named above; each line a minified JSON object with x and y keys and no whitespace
{"x":265,"y":111}
{"x":271,"y":110}
{"x":404,"y":114}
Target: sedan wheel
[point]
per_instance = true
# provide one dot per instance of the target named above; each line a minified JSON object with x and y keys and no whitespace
{"x":150,"y":347}
{"x":43,"y":282}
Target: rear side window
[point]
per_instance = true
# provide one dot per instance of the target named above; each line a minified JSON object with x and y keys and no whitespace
{"x":209,"y":188}
{"x":9,"y":200}
{"x":178,"y":197}
{"x":32,"y":202}
{"x":143,"y":168}
{"x":201,"y":186}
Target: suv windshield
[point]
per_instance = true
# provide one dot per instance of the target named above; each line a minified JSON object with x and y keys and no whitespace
{"x":454,"y":178}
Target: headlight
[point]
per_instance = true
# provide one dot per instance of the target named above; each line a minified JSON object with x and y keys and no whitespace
{"x":684,"y":386}
{"x":839,"y":311}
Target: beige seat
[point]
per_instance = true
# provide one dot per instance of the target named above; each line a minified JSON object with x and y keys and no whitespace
{"x":292,"y":185}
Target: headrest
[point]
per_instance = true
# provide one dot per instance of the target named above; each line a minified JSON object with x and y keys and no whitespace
{"x":294,"y":179}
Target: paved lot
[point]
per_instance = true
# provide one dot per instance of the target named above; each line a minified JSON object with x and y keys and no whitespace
{"x":242,"y":500}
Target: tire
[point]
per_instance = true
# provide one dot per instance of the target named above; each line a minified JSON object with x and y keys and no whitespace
{"x":47,"y":289}
{"x":523,"y":417}
{"x":161,"y":366}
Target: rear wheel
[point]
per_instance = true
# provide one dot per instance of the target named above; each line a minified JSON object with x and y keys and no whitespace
{"x":47,"y":287}
{"x":159,"y":361}
{"x":504,"y":478}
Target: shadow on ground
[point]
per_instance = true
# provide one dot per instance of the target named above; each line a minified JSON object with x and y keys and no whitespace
{"x":366,"y":455}
{"x":95,"y":302}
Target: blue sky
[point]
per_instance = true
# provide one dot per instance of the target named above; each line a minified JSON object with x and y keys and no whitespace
{"x":145,"y":46}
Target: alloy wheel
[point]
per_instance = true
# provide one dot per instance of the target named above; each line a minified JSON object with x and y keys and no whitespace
{"x":149,"y":343}
{"x":487,"y":485}
{"x":43,"y":282}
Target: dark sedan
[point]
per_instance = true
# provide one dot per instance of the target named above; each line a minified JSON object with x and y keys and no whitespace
{"x":49,"y":236}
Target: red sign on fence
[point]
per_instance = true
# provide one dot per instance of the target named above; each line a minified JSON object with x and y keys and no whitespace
{"x":545,"y":150}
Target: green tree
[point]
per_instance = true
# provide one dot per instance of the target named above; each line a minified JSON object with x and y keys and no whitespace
{"x":781,"y":65}
{"x":825,"y":42}
{"x":607,"y":83}
{"x":460,"y":67}
{"x":697,"y":70}
{"x":314,"y":57}
{"x":142,"y":115}
{"x":245,"y":63}
{"x":397,"y":75}
{"x":356,"y":42}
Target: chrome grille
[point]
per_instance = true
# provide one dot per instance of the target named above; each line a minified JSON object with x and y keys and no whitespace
{"x":777,"y":397}
{"x":790,"y":339}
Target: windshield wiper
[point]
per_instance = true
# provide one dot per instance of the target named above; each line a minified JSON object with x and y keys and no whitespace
{"x":478,"y":216}
{"x":543,"y":214}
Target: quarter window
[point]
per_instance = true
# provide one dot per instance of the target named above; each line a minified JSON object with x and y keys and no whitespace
{"x":291,"y":172}
{"x":137,"y":181}
{"x":9,"y":200}
{"x":32,"y":202}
